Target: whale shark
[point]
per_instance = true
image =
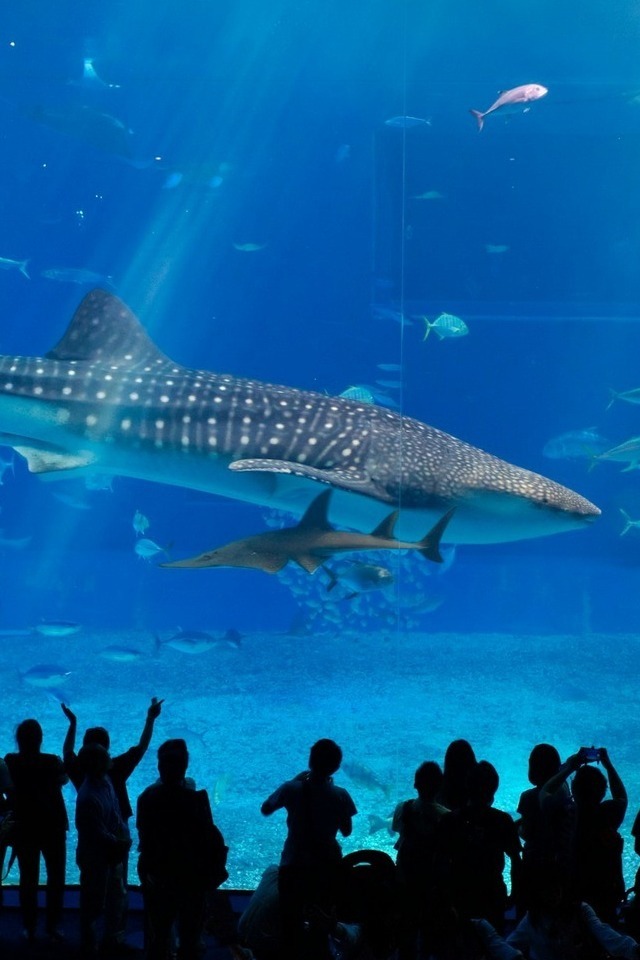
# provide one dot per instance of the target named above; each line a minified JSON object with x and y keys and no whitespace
{"x":106,"y":400}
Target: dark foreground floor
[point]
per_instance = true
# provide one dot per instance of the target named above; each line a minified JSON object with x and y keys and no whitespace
{"x":12,"y":944}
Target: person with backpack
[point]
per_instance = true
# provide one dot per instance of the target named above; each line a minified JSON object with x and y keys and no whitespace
{"x":182,"y":856}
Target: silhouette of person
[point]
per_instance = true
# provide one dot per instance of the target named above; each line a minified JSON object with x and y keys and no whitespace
{"x":452,"y":936}
{"x":598,"y":844}
{"x":122,"y":766}
{"x":6,"y":816}
{"x":547,"y":821}
{"x":182,"y":855}
{"x":41,"y":825}
{"x":417,"y":821}
{"x":103,"y":843}
{"x":558,"y":926}
{"x":459,"y":759}
{"x":473,"y":842}
{"x":596,"y":863}
{"x":317,"y":810}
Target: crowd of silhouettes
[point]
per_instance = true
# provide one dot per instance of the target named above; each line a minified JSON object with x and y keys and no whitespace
{"x":444,"y":898}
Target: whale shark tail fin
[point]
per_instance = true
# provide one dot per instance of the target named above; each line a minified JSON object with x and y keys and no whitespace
{"x":429,"y":546}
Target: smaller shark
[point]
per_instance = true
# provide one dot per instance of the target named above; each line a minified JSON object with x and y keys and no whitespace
{"x":311,"y":541}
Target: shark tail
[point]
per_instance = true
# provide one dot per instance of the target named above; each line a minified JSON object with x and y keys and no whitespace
{"x":23,"y":269}
{"x":429,"y":546}
{"x":613,"y":395}
{"x":628,"y":522}
{"x":157,"y":644}
{"x":479,"y":118}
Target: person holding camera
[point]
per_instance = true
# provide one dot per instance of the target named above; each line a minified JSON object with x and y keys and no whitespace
{"x":596,"y":862}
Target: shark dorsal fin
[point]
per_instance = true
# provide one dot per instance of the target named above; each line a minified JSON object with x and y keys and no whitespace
{"x":385,"y":530}
{"x":104,"y":330}
{"x":316,"y":515}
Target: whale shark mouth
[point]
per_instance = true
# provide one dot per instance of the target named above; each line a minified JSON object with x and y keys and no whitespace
{"x":106,"y":400}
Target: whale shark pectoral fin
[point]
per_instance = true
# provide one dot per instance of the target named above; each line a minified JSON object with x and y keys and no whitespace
{"x":49,"y":459}
{"x":340,"y":477}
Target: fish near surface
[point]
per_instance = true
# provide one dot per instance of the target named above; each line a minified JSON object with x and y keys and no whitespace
{"x":312,"y":540}
{"x":512,"y":101}
{"x":106,"y":400}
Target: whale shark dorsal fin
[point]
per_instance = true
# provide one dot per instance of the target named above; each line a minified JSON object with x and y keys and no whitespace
{"x":385,"y":530}
{"x":315,"y":516}
{"x":104,"y":330}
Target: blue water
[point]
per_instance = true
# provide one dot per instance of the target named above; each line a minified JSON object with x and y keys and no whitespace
{"x":258,"y":123}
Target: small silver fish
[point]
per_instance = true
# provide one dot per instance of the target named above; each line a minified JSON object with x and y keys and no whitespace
{"x":390,"y":384}
{"x":77,"y":275}
{"x":378,"y":823}
{"x":249,"y":247}
{"x":627,"y":452}
{"x":361,"y":394}
{"x":390,"y":367}
{"x":19,"y":265}
{"x":364,"y":777}
{"x":404,"y":123}
{"x":147,"y":549}
{"x":189,"y":641}
{"x":57,"y":628}
{"x":446,"y":326}
{"x":45,"y":675}
{"x":140,"y":523}
{"x":629,"y":396}
{"x":512,"y":101}
{"x":115,"y":653}
{"x":358,"y":578}
{"x":496,"y":247}
{"x":379,"y":312}
{"x":429,"y":195}
{"x":576,"y":445}
{"x":629,"y":523}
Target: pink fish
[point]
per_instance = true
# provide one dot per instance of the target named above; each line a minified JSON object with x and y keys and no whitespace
{"x":510,"y":101}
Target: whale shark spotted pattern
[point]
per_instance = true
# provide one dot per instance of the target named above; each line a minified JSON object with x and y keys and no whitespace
{"x":106,"y":400}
